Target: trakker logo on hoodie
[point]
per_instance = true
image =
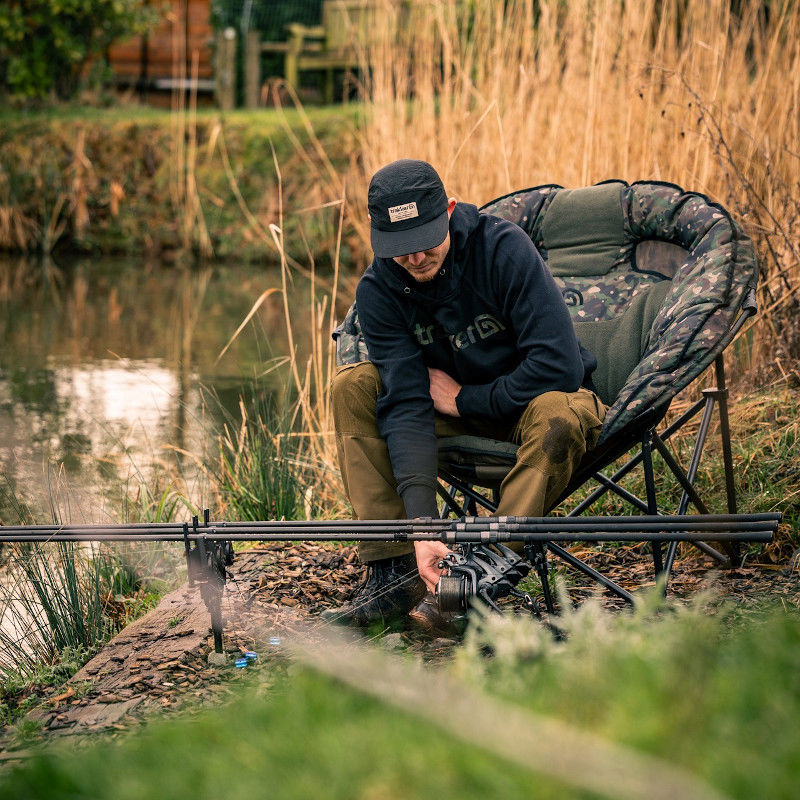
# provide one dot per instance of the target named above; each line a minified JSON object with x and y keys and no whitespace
{"x":482,"y":327}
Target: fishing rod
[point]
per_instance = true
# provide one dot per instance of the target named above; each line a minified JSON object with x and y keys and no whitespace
{"x":481,"y":565}
{"x":653,"y":528}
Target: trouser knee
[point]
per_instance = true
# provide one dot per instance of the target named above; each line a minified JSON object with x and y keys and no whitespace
{"x":354,"y":394}
{"x":554,"y":432}
{"x":557,"y":428}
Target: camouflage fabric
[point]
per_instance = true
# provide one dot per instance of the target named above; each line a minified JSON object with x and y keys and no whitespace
{"x":526,"y":208}
{"x":350,"y":345}
{"x":705,"y":297}
{"x":595,"y":299}
{"x":589,"y":298}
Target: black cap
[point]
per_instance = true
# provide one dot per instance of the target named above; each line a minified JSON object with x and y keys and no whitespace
{"x":407,"y":207}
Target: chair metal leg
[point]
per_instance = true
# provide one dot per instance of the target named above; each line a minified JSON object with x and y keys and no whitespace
{"x":450,"y":503}
{"x":676,"y":469}
{"x":652,"y":502}
{"x":627,"y":496}
{"x":634,"y":462}
{"x":691,"y":473}
{"x":574,"y":561}
{"x":725,"y":431}
{"x":727,"y":456}
{"x":681,"y":477}
{"x":467,"y":491}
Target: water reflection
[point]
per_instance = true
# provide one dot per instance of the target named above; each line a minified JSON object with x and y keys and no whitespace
{"x":102,"y":364}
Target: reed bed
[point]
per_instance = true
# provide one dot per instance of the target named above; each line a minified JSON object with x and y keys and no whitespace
{"x":502,"y":96}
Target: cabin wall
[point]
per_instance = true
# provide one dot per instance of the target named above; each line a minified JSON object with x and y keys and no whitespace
{"x":168,"y":48}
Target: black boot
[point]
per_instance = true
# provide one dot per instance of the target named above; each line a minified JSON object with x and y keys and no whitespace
{"x":390,"y":590}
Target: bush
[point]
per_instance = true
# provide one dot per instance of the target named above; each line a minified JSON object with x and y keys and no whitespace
{"x":45,"y":44}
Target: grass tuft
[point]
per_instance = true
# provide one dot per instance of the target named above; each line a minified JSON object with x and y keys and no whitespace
{"x":259,"y":470}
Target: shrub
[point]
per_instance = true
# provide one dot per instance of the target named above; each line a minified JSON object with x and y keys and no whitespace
{"x":45,"y":44}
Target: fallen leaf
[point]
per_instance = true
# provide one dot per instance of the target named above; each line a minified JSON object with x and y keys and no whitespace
{"x":56,"y":700}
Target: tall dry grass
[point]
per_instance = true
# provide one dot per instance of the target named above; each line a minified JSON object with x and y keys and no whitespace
{"x":503,"y":96}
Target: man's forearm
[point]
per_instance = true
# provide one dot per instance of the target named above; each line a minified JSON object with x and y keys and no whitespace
{"x":419,"y":500}
{"x":414,"y":456}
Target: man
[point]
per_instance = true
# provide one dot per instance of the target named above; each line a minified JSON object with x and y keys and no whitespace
{"x":467,"y":334}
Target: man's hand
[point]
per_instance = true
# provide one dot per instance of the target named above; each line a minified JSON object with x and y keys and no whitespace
{"x":429,"y":554}
{"x":444,"y":391}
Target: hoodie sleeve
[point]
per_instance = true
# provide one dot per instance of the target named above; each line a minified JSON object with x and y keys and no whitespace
{"x":405,"y":408}
{"x":546,"y":340}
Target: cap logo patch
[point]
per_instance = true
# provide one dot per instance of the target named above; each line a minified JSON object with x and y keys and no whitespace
{"x":406,"y":211}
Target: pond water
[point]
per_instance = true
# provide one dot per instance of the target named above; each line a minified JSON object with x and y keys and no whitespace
{"x":107,"y":366}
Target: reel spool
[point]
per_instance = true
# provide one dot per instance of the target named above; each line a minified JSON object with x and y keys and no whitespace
{"x":451,"y":593}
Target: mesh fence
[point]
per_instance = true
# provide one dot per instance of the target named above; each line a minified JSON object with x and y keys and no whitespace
{"x":269,"y":17}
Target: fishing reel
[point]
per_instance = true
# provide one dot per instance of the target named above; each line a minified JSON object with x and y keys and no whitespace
{"x":487,"y":572}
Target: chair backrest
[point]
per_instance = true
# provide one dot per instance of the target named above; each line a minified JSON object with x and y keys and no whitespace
{"x":653,"y":276}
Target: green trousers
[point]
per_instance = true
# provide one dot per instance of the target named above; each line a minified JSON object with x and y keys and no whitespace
{"x":553,"y":433}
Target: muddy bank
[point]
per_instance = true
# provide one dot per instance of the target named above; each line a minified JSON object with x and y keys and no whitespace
{"x":161,"y":184}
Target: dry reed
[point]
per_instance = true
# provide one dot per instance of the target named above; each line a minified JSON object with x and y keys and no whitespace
{"x":16,"y":229}
{"x":500,"y":97}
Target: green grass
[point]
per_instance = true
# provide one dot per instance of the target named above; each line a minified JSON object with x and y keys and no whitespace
{"x":717,"y":694}
{"x":714,"y":697}
{"x":24,"y":689}
{"x":313,"y":739}
{"x":259,"y":469}
{"x":60,"y":602}
{"x":269,"y":119}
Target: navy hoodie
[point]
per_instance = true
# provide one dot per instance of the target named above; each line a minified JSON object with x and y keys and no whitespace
{"x":493,"y":319}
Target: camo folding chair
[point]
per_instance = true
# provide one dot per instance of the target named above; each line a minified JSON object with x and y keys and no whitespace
{"x":658,"y":281}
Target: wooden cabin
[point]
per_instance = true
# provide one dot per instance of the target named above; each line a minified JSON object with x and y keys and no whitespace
{"x":163,"y":57}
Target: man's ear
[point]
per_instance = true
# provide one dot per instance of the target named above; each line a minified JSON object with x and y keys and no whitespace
{"x":451,"y":204}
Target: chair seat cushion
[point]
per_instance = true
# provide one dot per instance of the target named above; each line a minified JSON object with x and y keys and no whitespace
{"x":476,"y":459}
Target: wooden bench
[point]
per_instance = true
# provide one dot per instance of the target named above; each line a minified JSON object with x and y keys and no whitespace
{"x":335,"y":44}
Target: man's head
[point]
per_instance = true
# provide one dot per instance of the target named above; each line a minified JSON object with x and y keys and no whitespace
{"x":409,"y":213}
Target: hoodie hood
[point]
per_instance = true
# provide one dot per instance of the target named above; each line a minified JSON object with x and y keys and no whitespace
{"x":463,"y":222}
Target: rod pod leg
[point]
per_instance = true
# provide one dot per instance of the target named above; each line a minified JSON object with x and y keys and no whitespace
{"x":536,"y":553}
